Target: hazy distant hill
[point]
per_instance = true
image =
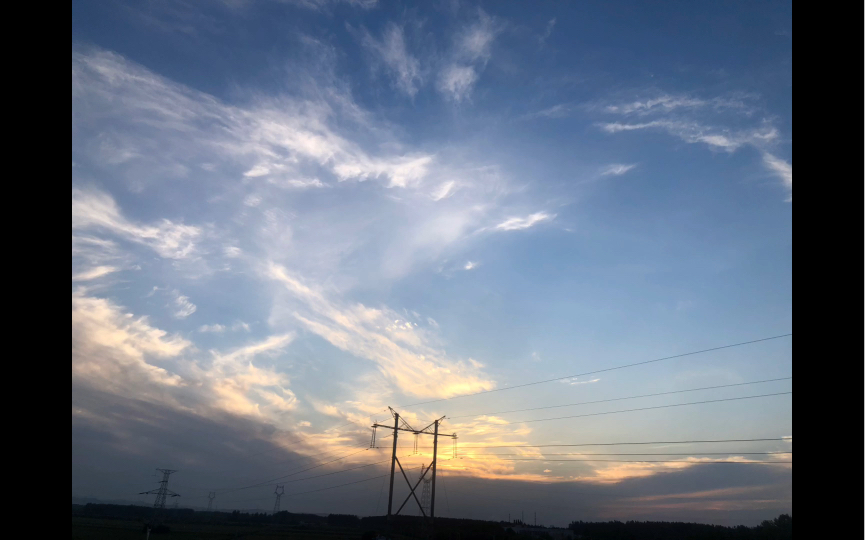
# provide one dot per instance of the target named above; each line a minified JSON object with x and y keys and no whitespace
{"x":92,"y":500}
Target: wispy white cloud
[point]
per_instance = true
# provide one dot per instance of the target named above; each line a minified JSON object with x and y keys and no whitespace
{"x":403,"y":352}
{"x":315,"y":137}
{"x":94,"y":273}
{"x":470,"y":265}
{"x":319,"y":5}
{"x":212,"y":328}
{"x":93,"y":209}
{"x":560,"y":110}
{"x":617,"y":169}
{"x":241,"y":387}
{"x":665,"y":103}
{"x":444,"y":191}
{"x":301,"y":183}
{"x":456,"y":81}
{"x":705,"y":121}
{"x":277,"y":139}
{"x":183,"y":308}
{"x":392,"y":51}
{"x":542,"y":40}
{"x":782,"y":170}
{"x":575,"y":381}
{"x":662,"y":103}
{"x":423,"y":209}
{"x":114,"y":350}
{"x":92,"y":251}
{"x":519,"y":223}
{"x":471,"y":52}
{"x":119,"y":353}
{"x":271,"y":345}
{"x":240,"y":325}
{"x":475,"y":41}
{"x":692,"y":132}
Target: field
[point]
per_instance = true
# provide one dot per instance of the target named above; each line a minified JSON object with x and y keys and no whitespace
{"x":84,"y":528}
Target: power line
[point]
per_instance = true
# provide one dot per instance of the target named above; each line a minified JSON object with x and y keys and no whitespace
{"x":353,"y":422}
{"x":277,"y":447}
{"x":446,"y":491}
{"x":345,"y":470}
{"x":644,"y":408}
{"x":630,"y":443}
{"x":350,"y":483}
{"x":321,"y":489}
{"x":602,"y":370}
{"x":264,"y":482}
{"x":622,"y":398}
{"x":297,"y":458}
{"x":641,"y":461}
{"x":318,"y":475}
{"x":652,"y":454}
{"x":707,"y":441}
{"x":380,"y":491}
{"x":294,"y":471}
{"x":338,"y":472}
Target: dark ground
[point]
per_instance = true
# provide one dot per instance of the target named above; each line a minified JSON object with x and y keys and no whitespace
{"x":122,"y":522}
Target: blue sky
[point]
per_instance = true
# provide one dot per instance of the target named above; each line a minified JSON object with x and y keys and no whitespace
{"x":287,"y":216}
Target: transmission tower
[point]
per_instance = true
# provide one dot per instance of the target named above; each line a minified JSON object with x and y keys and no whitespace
{"x":210,"y":497}
{"x":280,"y":489}
{"x":162,"y":492}
{"x":425,"y":494}
{"x":399,"y":424}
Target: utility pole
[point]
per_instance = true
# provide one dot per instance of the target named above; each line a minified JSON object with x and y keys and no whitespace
{"x":280,"y":489}
{"x":399,"y":424}
{"x":210,"y":497}
{"x":162,"y":492}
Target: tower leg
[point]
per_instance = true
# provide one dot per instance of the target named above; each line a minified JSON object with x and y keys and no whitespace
{"x":392,"y":464}
{"x":432,"y":502}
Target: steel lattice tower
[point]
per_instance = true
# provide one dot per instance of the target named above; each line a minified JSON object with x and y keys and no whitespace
{"x":162,"y":492}
{"x":210,"y":497}
{"x":280,"y":489}
{"x":399,"y":424}
{"x":425,"y":494}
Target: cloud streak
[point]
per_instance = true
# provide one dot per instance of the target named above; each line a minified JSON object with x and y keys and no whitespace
{"x":703,"y":121}
{"x":520,"y":223}
{"x":402,"y":352}
{"x":782,"y":169}
{"x":471,"y":51}
{"x":617,"y":169}
{"x":391,"y":50}
{"x":93,"y":209}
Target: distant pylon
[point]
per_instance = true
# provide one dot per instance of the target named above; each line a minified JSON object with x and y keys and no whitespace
{"x":425,"y":494}
{"x":162,"y":492}
{"x":280,"y":489}
{"x":210,"y":497}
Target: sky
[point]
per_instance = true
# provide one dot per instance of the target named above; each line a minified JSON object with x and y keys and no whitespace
{"x":288,"y":216}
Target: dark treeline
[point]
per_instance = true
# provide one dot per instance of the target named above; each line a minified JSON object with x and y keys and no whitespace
{"x":780,"y":528}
